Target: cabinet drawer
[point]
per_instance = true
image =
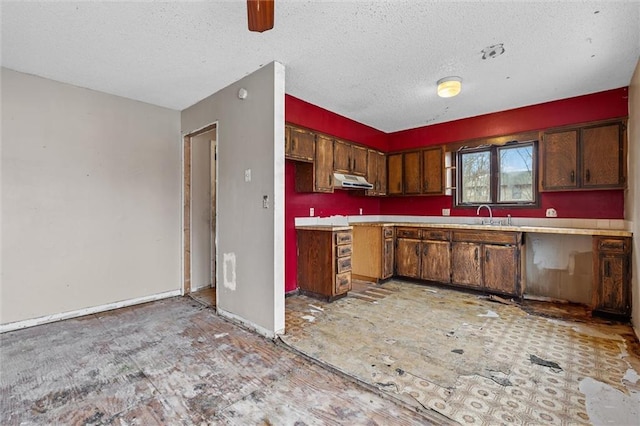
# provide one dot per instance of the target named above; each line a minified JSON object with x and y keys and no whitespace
{"x":343,"y":264}
{"x":436,"y":234}
{"x":387,"y":232}
{"x":408,"y":233}
{"x":343,"y":237}
{"x":343,"y":283}
{"x":612,"y":245}
{"x":342,"y":251}
{"x":488,"y":237}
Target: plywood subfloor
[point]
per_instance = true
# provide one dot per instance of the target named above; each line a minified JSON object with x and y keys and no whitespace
{"x":473,"y":360}
{"x":173,"y":362}
{"x":206,"y":296}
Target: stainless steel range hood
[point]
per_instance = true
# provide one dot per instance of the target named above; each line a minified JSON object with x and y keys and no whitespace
{"x":342,"y":181}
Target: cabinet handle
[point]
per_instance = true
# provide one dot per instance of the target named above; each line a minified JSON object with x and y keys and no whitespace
{"x":417,"y":250}
{"x":330,"y":179}
{"x":354,"y":164}
{"x":293,"y":143}
{"x":424,"y":251}
{"x":573,"y":176}
{"x":588,"y":175}
{"x":486,"y":256}
{"x":426,"y":186}
{"x":607,"y":269}
{"x":476,"y":254}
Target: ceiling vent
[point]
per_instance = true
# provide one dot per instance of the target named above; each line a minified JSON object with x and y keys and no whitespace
{"x":493,"y":51}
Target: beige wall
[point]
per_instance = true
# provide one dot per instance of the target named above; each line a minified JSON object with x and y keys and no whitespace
{"x":632,"y":200}
{"x":90,"y":198}
{"x":250,"y":251}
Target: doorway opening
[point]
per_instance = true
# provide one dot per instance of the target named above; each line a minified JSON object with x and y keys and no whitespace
{"x":199,"y":216}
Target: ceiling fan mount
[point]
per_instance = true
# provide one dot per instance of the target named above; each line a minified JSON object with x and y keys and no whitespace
{"x":260,"y":15}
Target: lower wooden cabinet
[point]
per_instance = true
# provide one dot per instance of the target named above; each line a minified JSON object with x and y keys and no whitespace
{"x":324,"y":262}
{"x":612,"y":275}
{"x":424,"y":254}
{"x":481,"y":260}
{"x":373,"y":252}
{"x":487,"y":260}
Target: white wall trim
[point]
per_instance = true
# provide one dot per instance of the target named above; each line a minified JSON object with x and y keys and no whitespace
{"x":249,"y":325}
{"x":86,"y":311}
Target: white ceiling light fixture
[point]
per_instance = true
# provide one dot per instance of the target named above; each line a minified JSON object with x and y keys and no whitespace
{"x":449,"y":87}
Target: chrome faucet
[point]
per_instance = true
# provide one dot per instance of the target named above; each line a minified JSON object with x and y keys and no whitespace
{"x":488,"y":207}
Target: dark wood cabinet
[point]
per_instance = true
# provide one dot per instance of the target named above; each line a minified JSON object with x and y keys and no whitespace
{"x":590,"y":157}
{"x":423,"y":254}
{"x":416,"y":172}
{"x":394,"y":174}
{"x":412,"y":173}
{"x":373,"y":252}
{"x":433,"y":171}
{"x":612,"y":275}
{"x":318,"y":175}
{"x":299,"y":144}
{"x":349,"y":158}
{"x":324,"y":262}
{"x":487,"y":260}
{"x":466,"y":269}
{"x":376,"y":172}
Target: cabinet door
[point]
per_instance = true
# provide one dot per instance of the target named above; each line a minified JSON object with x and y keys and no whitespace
{"x":465,"y":264}
{"x":324,"y":164}
{"x":358,"y":160}
{"x":382,"y":173}
{"x":387,"y":258}
{"x":602,"y":156}
{"x":301,"y":145}
{"x":436,"y":261}
{"x":611,"y":284}
{"x":372,"y":172}
{"x":412,"y":171}
{"x":394,"y":175}
{"x":432,"y":171}
{"x":342,"y":156}
{"x":501,"y":269}
{"x":560,"y":160}
{"x":408,"y":258}
{"x":287,"y":141}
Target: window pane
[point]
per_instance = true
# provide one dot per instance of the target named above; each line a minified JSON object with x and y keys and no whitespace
{"x":516,"y":174}
{"x":475,"y":174}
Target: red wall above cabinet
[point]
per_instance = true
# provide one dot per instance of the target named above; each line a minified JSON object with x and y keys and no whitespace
{"x":581,"y":109}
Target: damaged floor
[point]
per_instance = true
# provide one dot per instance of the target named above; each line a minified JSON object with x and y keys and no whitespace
{"x":473,"y":360}
{"x":174,"y":362}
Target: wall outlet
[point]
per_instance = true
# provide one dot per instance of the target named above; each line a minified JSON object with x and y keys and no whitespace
{"x":247,"y":175}
{"x":312,"y":211}
{"x":446,"y":212}
{"x":552,"y":213}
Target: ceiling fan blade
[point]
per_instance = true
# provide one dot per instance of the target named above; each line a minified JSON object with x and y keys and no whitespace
{"x":260,"y":14}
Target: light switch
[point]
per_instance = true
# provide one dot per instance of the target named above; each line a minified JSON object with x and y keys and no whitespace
{"x":265,"y":201}
{"x":247,"y":175}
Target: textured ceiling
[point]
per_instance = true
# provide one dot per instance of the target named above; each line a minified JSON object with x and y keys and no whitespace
{"x":376,"y":62}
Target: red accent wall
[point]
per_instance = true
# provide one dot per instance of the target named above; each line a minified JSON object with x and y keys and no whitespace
{"x":593,"y":107}
{"x":587,"y":204}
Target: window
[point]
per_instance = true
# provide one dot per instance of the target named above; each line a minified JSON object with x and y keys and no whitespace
{"x":499,"y":175}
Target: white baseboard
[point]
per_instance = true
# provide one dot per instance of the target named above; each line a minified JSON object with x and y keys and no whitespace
{"x":86,"y":311}
{"x":249,"y":325}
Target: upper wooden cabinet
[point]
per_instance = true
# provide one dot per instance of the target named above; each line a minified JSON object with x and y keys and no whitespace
{"x":590,"y":157}
{"x":349,"y":158}
{"x":433,"y":170}
{"x":376,"y":172}
{"x":394,"y":174}
{"x":318,"y":175}
{"x":416,"y":172}
{"x":299,"y":144}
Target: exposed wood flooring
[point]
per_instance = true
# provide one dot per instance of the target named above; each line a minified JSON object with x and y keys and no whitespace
{"x":206,"y":296}
{"x":173,"y":362}
{"x":473,"y":360}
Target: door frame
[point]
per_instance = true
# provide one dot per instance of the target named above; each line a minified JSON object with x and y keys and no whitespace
{"x":186,"y":205}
